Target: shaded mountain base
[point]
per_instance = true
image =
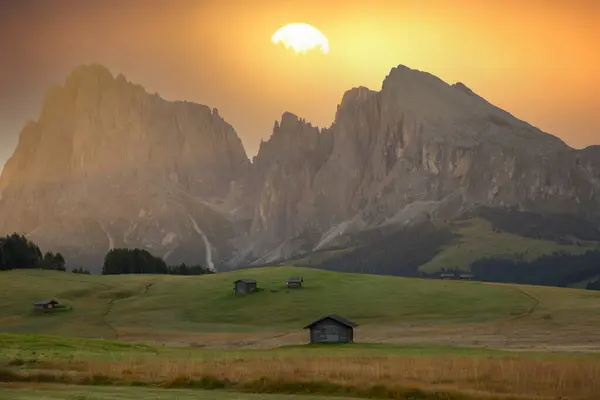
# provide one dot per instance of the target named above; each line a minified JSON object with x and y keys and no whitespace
{"x":502,"y":245}
{"x":559,"y":269}
{"x":561,"y":228}
{"x":382,"y":252}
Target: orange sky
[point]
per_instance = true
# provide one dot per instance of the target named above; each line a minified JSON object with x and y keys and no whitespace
{"x":539,"y":60}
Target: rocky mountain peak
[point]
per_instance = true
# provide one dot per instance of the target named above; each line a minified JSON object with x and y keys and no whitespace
{"x":418,"y":150}
{"x":288,"y":141}
{"x":289,"y":118}
{"x":463,"y":88}
{"x":353,"y":98}
{"x":357,"y":94}
{"x":80,"y":75}
{"x":87,"y":89}
{"x":404,"y":77}
{"x":108,"y":164}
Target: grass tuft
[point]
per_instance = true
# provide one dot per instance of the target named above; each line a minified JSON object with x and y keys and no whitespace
{"x":17,"y":362}
{"x":8,"y":375}
{"x":99,"y":380}
{"x":324,"y":388}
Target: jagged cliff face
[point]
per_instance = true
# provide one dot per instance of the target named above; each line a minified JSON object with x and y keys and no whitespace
{"x":109,"y":165}
{"x":417,"y":150}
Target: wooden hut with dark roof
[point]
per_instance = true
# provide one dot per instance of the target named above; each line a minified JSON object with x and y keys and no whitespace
{"x":294,"y":282}
{"x":244,"y":286}
{"x":331,"y":329}
{"x":45,"y":305}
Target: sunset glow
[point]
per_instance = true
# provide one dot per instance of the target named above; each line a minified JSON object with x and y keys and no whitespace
{"x":511,"y":65}
{"x":301,"y":38}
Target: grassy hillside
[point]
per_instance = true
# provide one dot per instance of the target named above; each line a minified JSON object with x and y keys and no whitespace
{"x":476,"y":239}
{"x":102,"y":304}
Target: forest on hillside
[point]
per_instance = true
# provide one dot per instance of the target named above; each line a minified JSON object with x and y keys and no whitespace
{"x":18,"y":252}
{"x":559,"y":228}
{"x":387,"y":252}
{"x":136,"y":261}
{"x":558,"y":269}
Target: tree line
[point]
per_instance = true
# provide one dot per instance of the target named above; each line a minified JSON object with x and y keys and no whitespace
{"x":593,"y":285}
{"x":137,"y":261}
{"x":559,"y":269}
{"x":559,"y":228}
{"x":18,"y":252}
{"x":385,"y":254}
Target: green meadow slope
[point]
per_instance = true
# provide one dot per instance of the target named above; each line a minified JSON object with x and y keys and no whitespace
{"x":476,"y":239}
{"x":179,"y":309}
{"x":103,"y":304}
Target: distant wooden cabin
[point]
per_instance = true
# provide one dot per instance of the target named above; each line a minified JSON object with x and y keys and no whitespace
{"x":45,"y":305}
{"x":244,"y":286}
{"x":457,"y":276}
{"x":295,"y":282}
{"x":331,"y":329}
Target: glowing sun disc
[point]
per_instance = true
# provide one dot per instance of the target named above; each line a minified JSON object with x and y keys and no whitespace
{"x":301,"y":38}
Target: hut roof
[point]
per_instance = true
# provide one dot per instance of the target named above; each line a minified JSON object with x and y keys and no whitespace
{"x":45,"y":302}
{"x":295,"y":279}
{"x":245,"y":281}
{"x":334,"y":317}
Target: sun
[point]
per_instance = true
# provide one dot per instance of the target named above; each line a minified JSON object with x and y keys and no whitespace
{"x":301,"y":38}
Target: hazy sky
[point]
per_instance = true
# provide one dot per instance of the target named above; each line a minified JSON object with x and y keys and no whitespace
{"x":538,"y":59}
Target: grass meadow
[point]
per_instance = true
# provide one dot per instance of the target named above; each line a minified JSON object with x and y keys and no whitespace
{"x":417,"y":339}
{"x":105,"y":305}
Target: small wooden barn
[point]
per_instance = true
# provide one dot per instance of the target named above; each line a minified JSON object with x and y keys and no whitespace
{"x":331,"y":329}
{"x":455,"y":275}
{"x":294,"y":282}
{"x":45,"y":305}
{"x":244,"y":286}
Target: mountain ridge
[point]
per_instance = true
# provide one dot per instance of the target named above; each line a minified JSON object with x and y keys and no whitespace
{"x":116,"y":166}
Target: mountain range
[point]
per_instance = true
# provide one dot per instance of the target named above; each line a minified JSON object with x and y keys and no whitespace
{"x":411,"y":167}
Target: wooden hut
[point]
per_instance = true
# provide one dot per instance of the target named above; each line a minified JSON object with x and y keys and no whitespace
{"x":295,"y":282}
{"x":331,"y":329}
{"x":45,"y":305}
{"x":447,"y":275}
{"x":244,"y":286}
